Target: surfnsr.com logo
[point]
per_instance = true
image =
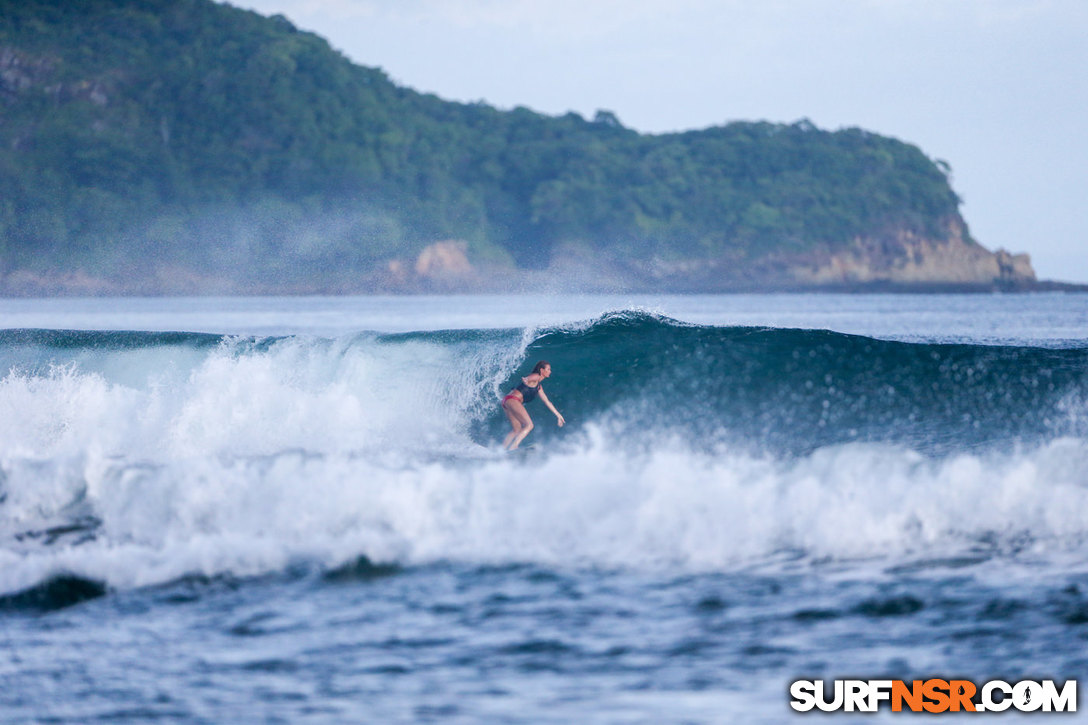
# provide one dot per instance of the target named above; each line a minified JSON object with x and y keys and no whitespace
{"x":933,"y":696}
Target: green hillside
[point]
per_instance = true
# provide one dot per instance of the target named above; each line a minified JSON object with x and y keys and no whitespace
{"x":138,"y":136}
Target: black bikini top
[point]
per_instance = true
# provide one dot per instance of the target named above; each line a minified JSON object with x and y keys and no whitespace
{"x":527,"y":393}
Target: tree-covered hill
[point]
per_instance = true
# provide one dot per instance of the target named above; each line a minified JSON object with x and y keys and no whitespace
{"x":144,"y":141}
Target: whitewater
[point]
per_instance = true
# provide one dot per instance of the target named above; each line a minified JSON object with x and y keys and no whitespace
{"x":297,"y":509}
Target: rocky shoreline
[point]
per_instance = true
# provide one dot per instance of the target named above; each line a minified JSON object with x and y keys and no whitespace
{"x":899,"y":262}
{"x":504,"y":281}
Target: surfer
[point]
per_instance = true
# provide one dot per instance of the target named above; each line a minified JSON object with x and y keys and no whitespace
{"x":514,"y":404}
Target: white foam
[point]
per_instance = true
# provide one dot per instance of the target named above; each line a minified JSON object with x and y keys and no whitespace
{"x":244,"y":398}
{"x":592,"y":504}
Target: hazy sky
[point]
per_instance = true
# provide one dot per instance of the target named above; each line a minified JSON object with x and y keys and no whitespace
{"x":997,"y":88}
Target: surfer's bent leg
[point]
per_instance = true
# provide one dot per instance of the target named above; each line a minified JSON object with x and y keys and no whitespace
{"x":520,"y":422}
{"x":515,"y":425}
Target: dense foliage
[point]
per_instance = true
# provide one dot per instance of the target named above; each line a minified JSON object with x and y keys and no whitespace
{"x":188,"y":133}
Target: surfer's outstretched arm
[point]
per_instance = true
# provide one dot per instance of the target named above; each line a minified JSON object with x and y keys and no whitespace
{"x":548,"y":403}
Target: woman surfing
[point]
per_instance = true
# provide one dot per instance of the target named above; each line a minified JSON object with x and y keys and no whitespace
{"x":514,"y":404}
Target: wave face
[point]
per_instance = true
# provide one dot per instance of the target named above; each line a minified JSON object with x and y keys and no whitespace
{"x":797,"y":390}
{"x":138,"y":458}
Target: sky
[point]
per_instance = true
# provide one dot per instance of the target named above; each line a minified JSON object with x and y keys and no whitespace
{"x":996,"y":88}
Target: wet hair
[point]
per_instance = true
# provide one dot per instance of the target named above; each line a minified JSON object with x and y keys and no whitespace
{"x":540,"y":366}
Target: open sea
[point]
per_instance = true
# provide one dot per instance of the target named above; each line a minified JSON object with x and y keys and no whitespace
{"x":233,"y":510}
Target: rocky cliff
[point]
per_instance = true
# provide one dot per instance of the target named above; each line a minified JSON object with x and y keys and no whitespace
{"x":898,"y":260}
{"x":906,"y":258}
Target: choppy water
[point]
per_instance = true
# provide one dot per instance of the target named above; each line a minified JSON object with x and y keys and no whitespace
{"x":296,"y":509}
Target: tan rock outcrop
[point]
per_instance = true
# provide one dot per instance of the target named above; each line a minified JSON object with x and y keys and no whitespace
{"x":906,"y":258}
{"x":444,"y":260}
{"x":440,"y":267}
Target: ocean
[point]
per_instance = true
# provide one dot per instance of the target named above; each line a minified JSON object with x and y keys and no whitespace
{"x":296,"y":510}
